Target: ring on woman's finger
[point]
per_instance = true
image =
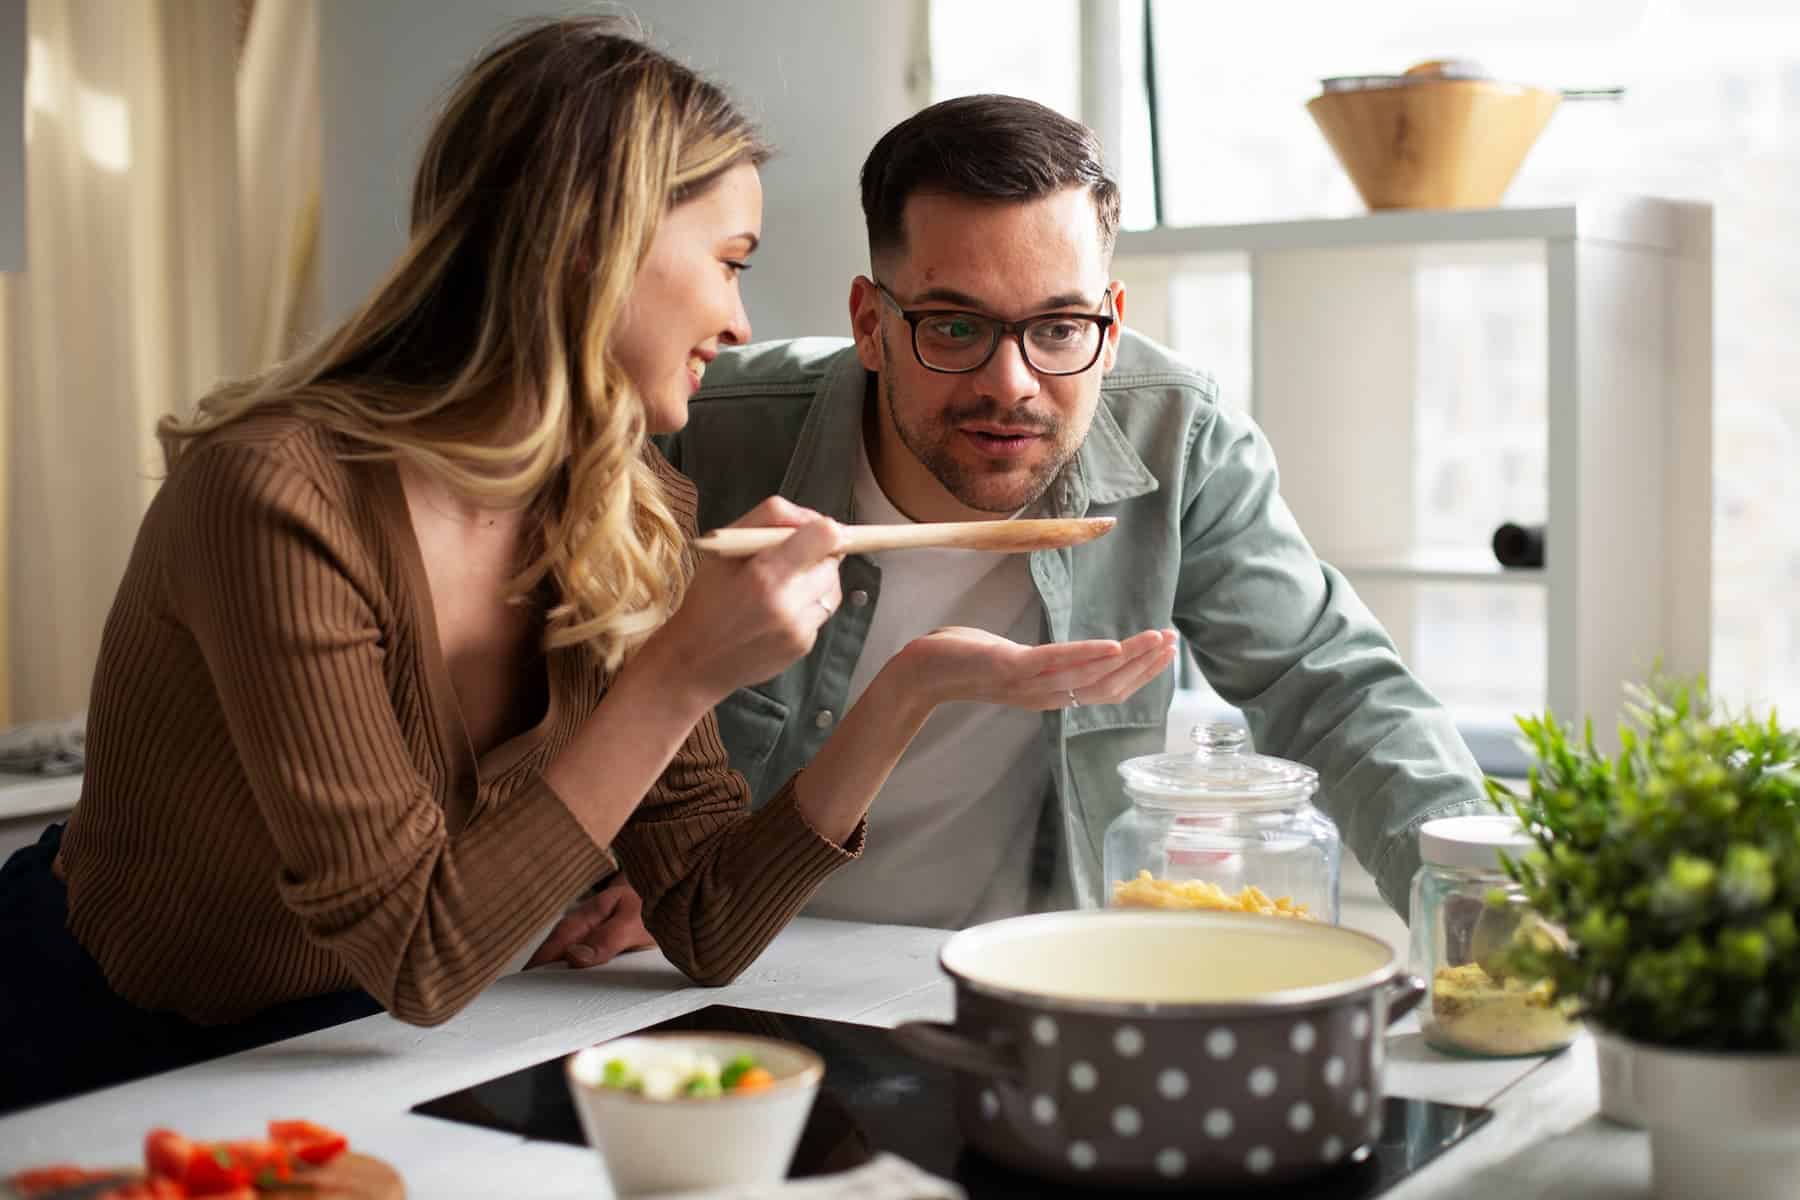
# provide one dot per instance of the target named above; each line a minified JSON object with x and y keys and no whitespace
{"x":1072,"y":698}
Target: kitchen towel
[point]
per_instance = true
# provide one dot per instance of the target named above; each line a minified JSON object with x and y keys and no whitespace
{"x":884,"y":1177}
{"x":45,"y":747}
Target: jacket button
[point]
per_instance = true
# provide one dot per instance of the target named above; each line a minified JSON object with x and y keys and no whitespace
{"x":858,"y":598}
{"x":824,"y":719}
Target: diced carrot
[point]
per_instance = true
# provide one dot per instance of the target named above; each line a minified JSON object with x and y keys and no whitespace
{"x":309,"y":1142}
{"x":166,"y":1154}
{"x":213,"y":1170}
{"x":756,"y":1079}
{"x":268,"y":1161}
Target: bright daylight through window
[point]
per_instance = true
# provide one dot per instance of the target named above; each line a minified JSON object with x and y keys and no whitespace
{"x":1711,"y":112}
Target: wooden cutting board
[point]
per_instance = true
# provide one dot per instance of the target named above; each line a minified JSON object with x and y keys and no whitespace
{"x":350,"y":1176}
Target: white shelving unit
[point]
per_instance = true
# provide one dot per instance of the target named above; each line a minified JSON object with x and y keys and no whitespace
{"x":1627,"y":386}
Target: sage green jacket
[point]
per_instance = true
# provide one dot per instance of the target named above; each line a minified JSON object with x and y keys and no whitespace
{"x":1204,"y":544}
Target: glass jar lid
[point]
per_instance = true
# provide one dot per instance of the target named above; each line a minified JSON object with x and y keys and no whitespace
{"x":1473,"y":843}
{"x":1219,"y":773}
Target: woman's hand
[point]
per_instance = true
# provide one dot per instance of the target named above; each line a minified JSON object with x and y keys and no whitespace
{"x":969,"y":664}
{"x":602,"y":927}
{"x":746,"y":620}
{"x":741,"y":622}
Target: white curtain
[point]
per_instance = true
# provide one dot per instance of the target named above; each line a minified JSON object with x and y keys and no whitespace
{"x":279,"y":181}
{"x":170,"y":209}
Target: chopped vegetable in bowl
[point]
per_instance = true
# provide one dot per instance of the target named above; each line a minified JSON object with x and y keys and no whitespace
{"x":646,"y":1100}
{"x":666,"y":1074}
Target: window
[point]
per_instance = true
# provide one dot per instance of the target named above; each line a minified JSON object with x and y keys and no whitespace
{"x":1711,"y":111}
{"x":1027,"y":48}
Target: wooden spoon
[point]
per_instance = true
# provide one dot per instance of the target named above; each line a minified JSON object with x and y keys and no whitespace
{"x":1006,"y":537}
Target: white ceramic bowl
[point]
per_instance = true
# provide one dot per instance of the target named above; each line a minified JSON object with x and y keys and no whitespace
{"x":652,"y":1146}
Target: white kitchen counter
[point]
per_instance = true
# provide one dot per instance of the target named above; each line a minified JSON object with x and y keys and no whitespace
{"x":30,"y":802}
{"x":37,"y":795}
{"x":363,"y":1077}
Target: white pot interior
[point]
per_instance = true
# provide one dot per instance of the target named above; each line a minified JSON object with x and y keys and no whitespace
{"x":1121,"y":956}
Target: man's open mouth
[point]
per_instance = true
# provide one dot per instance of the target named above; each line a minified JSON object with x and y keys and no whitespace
{"x":1002,"y":442}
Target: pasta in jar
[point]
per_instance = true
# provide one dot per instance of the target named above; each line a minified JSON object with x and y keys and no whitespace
{"x":1147,"y":891}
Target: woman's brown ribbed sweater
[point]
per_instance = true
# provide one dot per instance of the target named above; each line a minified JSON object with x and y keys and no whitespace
{"x":280,"y":800}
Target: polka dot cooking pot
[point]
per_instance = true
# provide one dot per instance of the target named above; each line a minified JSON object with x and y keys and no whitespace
{"x":1128,"y":1048}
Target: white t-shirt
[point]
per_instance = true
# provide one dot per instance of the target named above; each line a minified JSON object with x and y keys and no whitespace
{"x":950,"y":835}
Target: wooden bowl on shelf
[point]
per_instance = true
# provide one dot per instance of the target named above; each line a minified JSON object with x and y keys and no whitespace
{"x":1429,"y":139}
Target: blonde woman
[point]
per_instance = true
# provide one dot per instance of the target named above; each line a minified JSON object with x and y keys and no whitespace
{"x":411,"y":653}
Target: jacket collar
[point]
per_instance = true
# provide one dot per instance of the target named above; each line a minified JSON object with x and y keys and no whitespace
{"x":1105,"y":470}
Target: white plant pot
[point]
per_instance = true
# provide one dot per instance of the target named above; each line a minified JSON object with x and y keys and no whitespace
{"x":1724,"y":1125}
{"x":1618,"y":1102}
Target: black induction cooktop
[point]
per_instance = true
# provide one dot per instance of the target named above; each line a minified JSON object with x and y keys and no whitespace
{"x":877,"y":1097}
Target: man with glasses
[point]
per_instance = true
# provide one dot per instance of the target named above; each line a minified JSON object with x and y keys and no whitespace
{"x":991,"y":377}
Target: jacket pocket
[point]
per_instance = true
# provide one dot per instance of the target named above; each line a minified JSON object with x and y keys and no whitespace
{"x":1147,"y":707}
{"x":750,"y":725}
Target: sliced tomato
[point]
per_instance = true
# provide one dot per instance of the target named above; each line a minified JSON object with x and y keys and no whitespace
{"x":212,"y":1170}
{"x":166,"y":1154}
{"x":317,"y":1154}
{"x":309,"y":1142}
{"x":268,"y":1161}
{"x":299,"y":1131}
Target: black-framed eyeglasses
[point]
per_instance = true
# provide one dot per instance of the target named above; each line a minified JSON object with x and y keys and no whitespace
{"x":954,"y":343}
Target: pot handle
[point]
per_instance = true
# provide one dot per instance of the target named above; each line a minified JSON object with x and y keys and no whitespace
{"x":1403,"y":995}
{"x":937,"y":1042}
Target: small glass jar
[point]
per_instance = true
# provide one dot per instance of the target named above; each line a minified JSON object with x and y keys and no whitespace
{"x":1222,"y":828}
{"x":1466,"y":914}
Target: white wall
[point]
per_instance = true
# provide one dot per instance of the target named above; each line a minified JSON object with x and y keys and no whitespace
{"x":823,"y":78}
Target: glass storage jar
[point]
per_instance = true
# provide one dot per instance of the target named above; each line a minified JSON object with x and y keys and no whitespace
{"x":1205,"y":828}
{"x":1465,"y":914}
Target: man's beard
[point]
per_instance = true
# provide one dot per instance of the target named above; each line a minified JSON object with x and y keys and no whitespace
{"x":997,"y":490}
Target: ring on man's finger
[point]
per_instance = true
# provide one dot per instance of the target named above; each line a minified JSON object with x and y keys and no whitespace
{"x":1072,"y":698}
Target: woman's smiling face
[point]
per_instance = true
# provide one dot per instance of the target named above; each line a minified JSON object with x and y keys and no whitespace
{"x":685,"y":303}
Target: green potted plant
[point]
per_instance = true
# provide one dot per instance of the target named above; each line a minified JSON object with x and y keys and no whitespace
{"x":1674,"y":869}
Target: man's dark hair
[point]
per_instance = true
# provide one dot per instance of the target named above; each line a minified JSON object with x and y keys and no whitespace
{"x":987,"y":148}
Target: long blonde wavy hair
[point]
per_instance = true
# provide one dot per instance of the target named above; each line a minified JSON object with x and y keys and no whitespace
{"x":484,"y":356}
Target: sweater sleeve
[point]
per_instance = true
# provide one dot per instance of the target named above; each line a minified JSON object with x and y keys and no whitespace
{"x":275,"y":593}
{"x":719,"y":881}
